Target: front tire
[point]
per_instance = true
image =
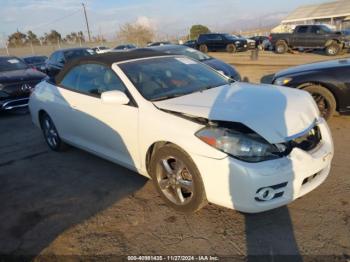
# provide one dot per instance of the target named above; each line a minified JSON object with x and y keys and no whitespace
{"x":333,"y":49}
{"x":231,"y":48}
{"x":203,"y":48}
{"x":50,"y":133}
{"x":324,"y":99}
{"x":177,"y":179}
{"x":281,"y":47}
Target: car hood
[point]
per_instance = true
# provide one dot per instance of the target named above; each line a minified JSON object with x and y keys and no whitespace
{"x":313,"y":67}
{"x":20,"y":75}
{"x":222,"y":66}
{"x":275,"y":113}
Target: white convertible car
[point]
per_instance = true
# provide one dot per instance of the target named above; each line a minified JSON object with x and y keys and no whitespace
{"x":198,"y":135}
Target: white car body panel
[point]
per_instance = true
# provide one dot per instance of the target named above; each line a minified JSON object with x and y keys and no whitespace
{"x":124,"y":134}
{"x":273,"y":112}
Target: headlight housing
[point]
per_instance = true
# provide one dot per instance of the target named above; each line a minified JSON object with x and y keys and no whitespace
{"x":249,"y":147}
{"x":281,"y":81}
{"x":237,"y":42}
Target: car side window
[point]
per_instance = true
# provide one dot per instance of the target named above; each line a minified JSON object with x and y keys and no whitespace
{"x":53,"y":57}
{"x":70,"y":80}
{"x":302,"y":30}
{"x":94,"y":79}
{"x":316,"y":30}
{"x":215,"y":37}
{"x":60,"y":58}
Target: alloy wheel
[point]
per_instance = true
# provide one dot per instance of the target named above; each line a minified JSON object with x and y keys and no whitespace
{"x":175,"y":180}
{"x":50,"y":133}
{"x":322,"y":104}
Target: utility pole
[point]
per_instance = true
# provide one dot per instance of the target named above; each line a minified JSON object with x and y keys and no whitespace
{"x":87,"y":23}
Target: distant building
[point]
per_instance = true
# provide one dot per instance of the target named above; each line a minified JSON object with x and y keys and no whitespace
{"x":335,"y":14}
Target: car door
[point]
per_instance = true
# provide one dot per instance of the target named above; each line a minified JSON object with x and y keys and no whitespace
{"x":215,"y":42}
{"x":106,"y":129}
{"x":300,"y":36}
{"x":316,"y":37}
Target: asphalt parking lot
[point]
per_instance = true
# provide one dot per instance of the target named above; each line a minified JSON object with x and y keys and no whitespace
{"x":74,"y":203}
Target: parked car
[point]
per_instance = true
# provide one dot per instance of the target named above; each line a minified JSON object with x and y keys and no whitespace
{"x":328,"y":82}
{"x":36,"y":61}
{"x":17,"y":80}
{"x":251,"y":44}
{"x":267,"y":45}
{"x":259,"y":41}
{"x":197,"y":134}
{"x":191,"y":43}
{"x":217,"y":64}
{"x":310,"y":37}
{"x":101,"y":49}
{"x":159,"y":43}
{"x":60,"y":57}
{"x":221,"y":42}
{"x":125,"y":47}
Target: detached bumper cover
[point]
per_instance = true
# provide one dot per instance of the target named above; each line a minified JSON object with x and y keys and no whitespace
{"x":239,"y":185}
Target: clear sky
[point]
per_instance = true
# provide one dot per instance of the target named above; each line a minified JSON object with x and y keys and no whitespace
{"x":173,"y":17}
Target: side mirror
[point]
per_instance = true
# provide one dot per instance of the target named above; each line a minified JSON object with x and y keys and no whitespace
{"x":61,"y":61}
{"x":114,"y":97}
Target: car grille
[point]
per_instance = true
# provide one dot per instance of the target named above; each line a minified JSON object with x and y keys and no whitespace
{"x":306,"y":142}
{"x":309,"y":141}
{"x":19,"y":88}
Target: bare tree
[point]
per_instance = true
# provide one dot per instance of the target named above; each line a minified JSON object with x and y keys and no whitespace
{"x":135,"y":34}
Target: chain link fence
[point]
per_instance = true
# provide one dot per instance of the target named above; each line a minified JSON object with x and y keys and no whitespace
{"x":48,"y":49}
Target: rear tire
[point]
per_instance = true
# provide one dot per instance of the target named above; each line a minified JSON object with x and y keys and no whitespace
{"x":203,"y":48}
{"x":281,"y":47}
{"x":231,"y":48}
{"x":51,"y":135}
{"x":324,"y":99}
{"x":177,"y":179}
{"x":333,"y":49}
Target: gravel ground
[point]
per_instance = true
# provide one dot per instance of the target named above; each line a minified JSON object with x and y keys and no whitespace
{"x":73,"y":203}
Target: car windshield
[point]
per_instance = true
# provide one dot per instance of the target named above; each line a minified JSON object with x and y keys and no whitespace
{"x":168,"y":77}
{"x":35,"y":59}
{"x":71,"y":54}
{"x":102,"y":48}
{"x":190,"y":52}
{"x":326,"y":29}
{"x":11,"y":64}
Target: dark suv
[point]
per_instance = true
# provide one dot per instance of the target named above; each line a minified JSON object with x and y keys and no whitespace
{"x":221,"y":42}
{"x":58,"y":58}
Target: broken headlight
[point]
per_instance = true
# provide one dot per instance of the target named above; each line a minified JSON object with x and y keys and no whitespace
{"x":249,"y":147}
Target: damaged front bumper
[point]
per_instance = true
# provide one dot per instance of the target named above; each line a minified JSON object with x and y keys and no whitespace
{"x":257,"y":187}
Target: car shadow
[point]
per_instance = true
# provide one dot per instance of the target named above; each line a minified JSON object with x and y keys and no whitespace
{"x":269,"y":235}
{"x":43,"y":195}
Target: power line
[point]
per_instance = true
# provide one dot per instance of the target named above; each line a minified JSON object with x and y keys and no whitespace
{"x":56,"y":20}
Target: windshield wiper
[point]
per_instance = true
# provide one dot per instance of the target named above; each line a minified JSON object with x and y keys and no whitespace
{"x":166,"y":97}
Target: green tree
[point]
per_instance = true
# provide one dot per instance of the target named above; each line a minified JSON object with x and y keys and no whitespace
{"x":17,"y":39}
{"x":53,"y":37}
{"x":75,"y":37}
{"x":196,"y":30}
{"x":135,"y":34}
{"x":32,"y":38}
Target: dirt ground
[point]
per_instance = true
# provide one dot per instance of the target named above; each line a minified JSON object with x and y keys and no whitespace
{"x":73,"y":203}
